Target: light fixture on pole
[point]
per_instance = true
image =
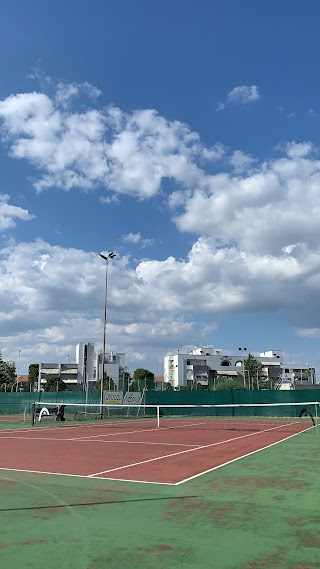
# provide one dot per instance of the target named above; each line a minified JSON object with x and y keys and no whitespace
{"x":243,"y":370}
{"x":106,"y":259}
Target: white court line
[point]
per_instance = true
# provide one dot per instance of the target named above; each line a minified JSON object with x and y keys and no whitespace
{"x":140,"y":431}
{"x":240,"y":457}
{"x":98,"y":436}
{"x":86,"y":476}
{"x":148,"y":481}
{"x":185,"y":451}
{"x":97,"y":441}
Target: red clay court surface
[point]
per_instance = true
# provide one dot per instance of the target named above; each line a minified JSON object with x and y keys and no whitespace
{"x":138,"y":451}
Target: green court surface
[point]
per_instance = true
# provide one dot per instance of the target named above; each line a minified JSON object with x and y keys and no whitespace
{"x":261,"y":512}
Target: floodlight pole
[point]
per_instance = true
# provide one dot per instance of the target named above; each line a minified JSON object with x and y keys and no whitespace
{"x":106,"y":258}
{"x":243,"y":370}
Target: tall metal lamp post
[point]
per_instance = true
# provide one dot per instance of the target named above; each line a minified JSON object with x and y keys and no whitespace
{"x":243,"y":370}
{"x":106,"y":259}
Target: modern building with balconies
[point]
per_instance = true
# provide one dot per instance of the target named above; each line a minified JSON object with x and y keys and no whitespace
{"x":205,"y":364}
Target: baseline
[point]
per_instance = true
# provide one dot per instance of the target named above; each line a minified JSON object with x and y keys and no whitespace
{"x":85,"y":476}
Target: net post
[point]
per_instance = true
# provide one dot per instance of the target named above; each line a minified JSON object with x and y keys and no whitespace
{"x":33,"y":415}
{"x":158,"y":416}
{"x":316,"y":417}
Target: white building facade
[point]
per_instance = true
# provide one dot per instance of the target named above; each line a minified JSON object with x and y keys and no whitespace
{"x":87,"y":369}
{"x":114,"y":367}
{"x":205,"y":364}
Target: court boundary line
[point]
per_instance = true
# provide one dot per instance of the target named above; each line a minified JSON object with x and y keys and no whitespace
{"x":186,"y":425}
{"x":103,"y":435}
{"x":84,"y":476}
{"x":240,"y":457}
{"x":85,"y":440}
{"x":201,"y":447}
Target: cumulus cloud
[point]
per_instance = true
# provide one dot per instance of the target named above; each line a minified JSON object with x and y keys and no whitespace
{"x":240,"y":161}
{"x":9,"y":214}
{"x":240,"y":95}
{"x":123,"y":152}
{"x":243,"y":94}
{"x":255,"y":227}
{"x":136,"y":239}
{"x":52,"y":297}
{"x":267,"y":210}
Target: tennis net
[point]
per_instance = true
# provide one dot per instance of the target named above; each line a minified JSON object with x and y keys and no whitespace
{"x":291,"y":417}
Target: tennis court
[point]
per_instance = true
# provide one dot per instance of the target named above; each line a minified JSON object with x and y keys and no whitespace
{"x":228,"y":491}
{"x":145,"y":449}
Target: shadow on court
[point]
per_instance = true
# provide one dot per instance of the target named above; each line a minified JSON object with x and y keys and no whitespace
{"x":94,"y":503}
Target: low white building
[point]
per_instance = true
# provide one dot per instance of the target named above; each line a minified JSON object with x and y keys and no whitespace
{"x":205,"y":364}
{"x":68,"y":372}
{"x":201,"y":365}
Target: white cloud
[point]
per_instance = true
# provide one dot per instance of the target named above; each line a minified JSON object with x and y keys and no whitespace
{"x":243,"y":94}
{"x":137,"y":239}
{"x":240,"y":161}
{"x":9,"y":214}
{"x":308,"y":332}
{"x":298,"y":150}
{"x":66,"y":92}
{"x":288,"y":115}
{"x":256,"y":244}
{"x":128,"y":153}
{"x":52,"y":297}
{"x":220,"y":107}
{"x":262,"y":211}
{"x":113,"y":199}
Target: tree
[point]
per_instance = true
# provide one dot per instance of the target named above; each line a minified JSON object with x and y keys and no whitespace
{"x":168,"y":386}
{"x":33,"y":374}
{"x":253,"y":372}
{"x":127,"y":381}
{"x":142,"y":378}
{"x":54,"y":384}
{"x":108,"y":384}
{"x":7,"y":375}
{"x":228,"y":384}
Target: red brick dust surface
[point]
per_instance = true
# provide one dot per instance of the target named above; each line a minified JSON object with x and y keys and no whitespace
{"x":138,"y":452}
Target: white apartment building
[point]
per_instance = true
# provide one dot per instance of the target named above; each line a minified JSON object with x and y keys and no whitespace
{"x":114,"y":367}
{"x":204,"y":364}
{"x":68,"y":372}
{"x":86,"y":370}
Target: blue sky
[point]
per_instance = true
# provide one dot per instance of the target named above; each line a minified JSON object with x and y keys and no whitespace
{"x":181,"y":135}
